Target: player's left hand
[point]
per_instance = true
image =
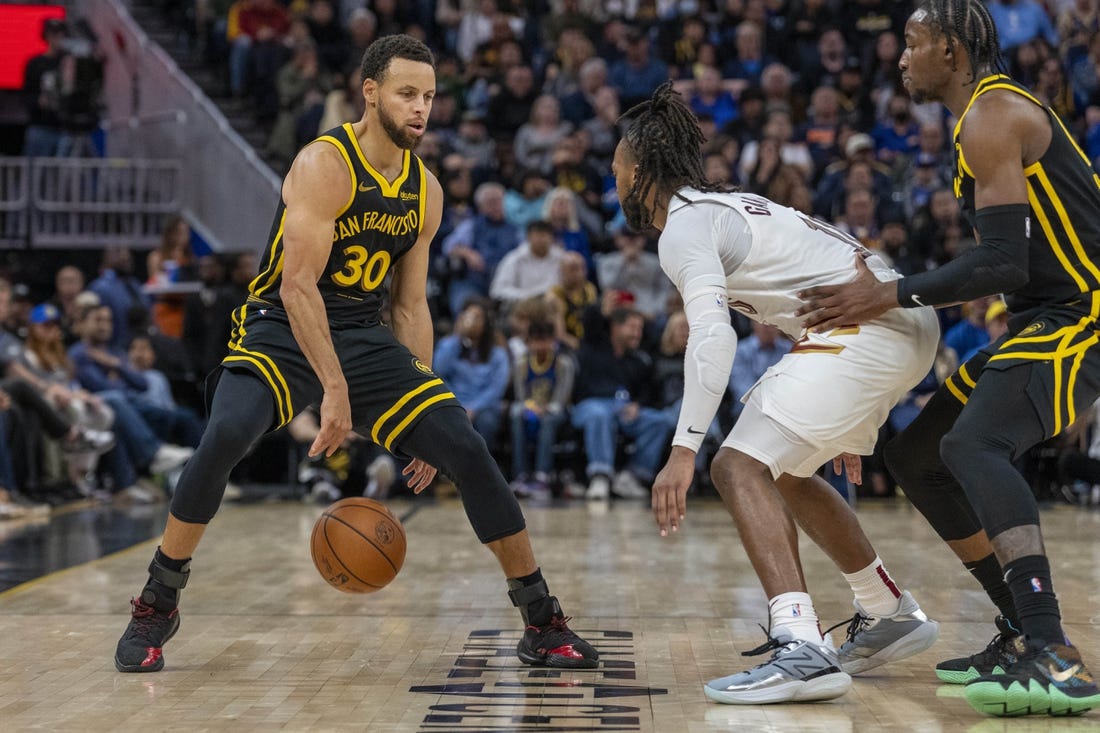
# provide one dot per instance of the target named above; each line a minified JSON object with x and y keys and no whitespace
{"x":670,"y":490}
{"x":420,"y":475}
{"x":851,"y":463}
{"x":858,"y":301}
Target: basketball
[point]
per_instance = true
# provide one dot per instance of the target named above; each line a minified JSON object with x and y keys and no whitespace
{"x":358,"y":545}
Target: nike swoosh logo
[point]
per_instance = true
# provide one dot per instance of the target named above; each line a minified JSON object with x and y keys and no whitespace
{"x":693,"y":431}
{"x":916,"y":299}
{"x":364,"y":187}
{"x":1064,"y":675}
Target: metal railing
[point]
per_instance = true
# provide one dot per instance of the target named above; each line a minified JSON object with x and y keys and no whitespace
{"x":86,"y":202}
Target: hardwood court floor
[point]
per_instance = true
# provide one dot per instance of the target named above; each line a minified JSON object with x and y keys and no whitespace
{"x":265,"y":645}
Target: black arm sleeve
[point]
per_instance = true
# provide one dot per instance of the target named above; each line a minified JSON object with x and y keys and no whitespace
{"x":999,"y":264}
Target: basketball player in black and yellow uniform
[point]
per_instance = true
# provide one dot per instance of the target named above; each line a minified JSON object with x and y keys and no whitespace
{"x":1034,"y":202}
{"x":358,"y":211}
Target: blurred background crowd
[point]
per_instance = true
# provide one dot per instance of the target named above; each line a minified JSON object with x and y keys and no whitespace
{"x":555,"y":324}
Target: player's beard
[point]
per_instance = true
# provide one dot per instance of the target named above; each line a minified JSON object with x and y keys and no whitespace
{"x":400,"y":137}
{"x":634,"y":211}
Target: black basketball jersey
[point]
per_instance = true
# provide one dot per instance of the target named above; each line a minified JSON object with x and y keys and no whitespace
{"x":380,"y":222}
{"x":1064,"y":195}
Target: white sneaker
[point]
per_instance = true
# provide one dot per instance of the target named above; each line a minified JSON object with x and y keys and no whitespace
{"x":877,"y":640}
{"x":169,"y":456}
{"x":324,"y":492}
{"x":627,"y":486}
{"x":141,"y":494}
{"x":598,"y":488}
{"x":798,"y":671}
{"x":380,"y":477}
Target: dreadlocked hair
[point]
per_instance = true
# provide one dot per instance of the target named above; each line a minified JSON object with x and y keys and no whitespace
{"x":968,"y":23}
{"x":664,"y":137}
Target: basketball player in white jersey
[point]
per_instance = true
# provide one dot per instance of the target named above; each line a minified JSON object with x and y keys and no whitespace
{"x":824,"y":400}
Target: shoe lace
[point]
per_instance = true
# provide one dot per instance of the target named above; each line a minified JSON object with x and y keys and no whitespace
{"x":856,"y":624}
{"x":143,"y":619}
{"x":771,"y":645}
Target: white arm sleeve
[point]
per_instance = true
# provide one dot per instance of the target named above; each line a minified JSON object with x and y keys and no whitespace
{"x":689,"y":251}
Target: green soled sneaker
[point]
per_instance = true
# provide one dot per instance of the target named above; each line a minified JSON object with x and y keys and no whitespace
{"x":1049,"y":680}
{"x":998,"y":656}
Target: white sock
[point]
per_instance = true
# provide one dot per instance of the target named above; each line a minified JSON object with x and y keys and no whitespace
{"x":874,"y":589}
{"x":795,"y":613}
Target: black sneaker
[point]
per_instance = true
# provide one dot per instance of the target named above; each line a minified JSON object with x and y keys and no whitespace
{"x":996,"y":658}
{"x":1049,"y":679}
{"x":139,"y":649}
{"x":555,"y":645}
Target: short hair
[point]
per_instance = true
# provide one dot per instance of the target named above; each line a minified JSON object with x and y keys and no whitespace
{"x":540,"y":329}
{"x":540,"y":225}
{"x":968,"y":23}
{"x":377,"y":58}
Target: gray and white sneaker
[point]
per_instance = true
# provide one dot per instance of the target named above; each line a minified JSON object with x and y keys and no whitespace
{"x":798,"y":671}
{"x":873,"y":641}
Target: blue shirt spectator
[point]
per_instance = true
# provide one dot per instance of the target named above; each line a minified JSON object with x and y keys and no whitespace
{"x":477,"y":246}
{"x":763,"y":349}
{"x":637,"y":74}
{"x":1019,"y":21}
{"x":120,"y":291}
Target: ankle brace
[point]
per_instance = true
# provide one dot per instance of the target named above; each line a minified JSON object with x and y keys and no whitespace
{"x":162,"y":589}
{"x":534,"y":601}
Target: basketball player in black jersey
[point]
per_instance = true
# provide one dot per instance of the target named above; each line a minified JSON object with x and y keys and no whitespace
{"x":357,"y":206}
{"x":1034,"y":203}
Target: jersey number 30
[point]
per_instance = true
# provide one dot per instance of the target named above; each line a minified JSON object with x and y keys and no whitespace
{"x":362,"y":269}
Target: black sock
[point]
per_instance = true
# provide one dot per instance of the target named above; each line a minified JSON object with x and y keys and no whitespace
{"x":158,"y":595}
{"x":1033,"y":595}
{"x":531,"y":579}
{"x":988,"y":572}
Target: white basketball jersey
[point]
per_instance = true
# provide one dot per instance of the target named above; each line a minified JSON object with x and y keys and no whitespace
{"x":789,"y":252}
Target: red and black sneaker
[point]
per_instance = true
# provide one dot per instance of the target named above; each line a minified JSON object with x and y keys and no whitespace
{"x":140,"y":648}
{"x":555,"y":645}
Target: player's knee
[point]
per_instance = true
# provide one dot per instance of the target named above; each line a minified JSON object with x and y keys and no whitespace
{"x":898,"y":459}
{"x":731,"y":467}
{"x":958,"y":448}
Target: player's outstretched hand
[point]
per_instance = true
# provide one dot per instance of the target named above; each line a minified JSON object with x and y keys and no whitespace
{"x":335,"y":423}
{"x":420,"y":475}
{"x":857,"y":301}
{"x":670,"y":490}
{"x":851,"y":463}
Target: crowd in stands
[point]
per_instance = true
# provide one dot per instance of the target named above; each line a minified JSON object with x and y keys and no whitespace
{"x":556,"y":326}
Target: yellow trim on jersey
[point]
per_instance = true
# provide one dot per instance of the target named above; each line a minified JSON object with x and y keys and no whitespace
{"x":956,"y":391}
{"x":1072,"y":413}
{"x":962,"y":162}
{"x":412,"y":416}
{"x":377,"y":428}
{"x":1071,"y":139}
{"x":274,"y":266}
{"x":390,"y":190}
{"x":966,"y":377}
{"x":278,"y":375}
{"x":284,"y":417}
{"x":1038,"y":339}
{"x":351,"y":169}
{"x":423,"y":192}
{"x":1044,"y":223}
{"x":1067,"y":225}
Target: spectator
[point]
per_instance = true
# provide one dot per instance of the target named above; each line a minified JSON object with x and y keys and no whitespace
{"x":749,"y":125}
{"x":475,"y":365}
{"x":562,"y":211}
{"x":121,"y":292}
{"x":749,"y":61}
{"x":858,"y":219}
{"x":536,"y":139}
{"x":525,"y":202}
{"x":969,"y":334}
{"x":43,"y":88}
{"x":542,"y":382}
{"x":477,"y":245}
{"x":895,"y":246}
{"x":510,"y":107}
{"x":603,"y":130}
{"x":530,"y":269}
{"x":633,"y":269}
{"x":301,"y":86}
{"x":563,"y":73}
{"x":473,"y":142}
{"x":328,"y":35}
{"x":791,"y":152}
{"x":996,"y":325}
{"x":106,"y":370}
{"x":821,"y":130}
{"x":897,"y":136}
{"x":614,"y":395}
{"x":172,"y":262}
{"x":362,"y":27}
{"x":207,"y":315}
{"x":755,"y":355}
{"x":580,"y":105}
{"x":256,"y":52}
{"x":573,"y":171}
{"x":1077,"y":21}
{"x":826,"y":68}
{"x":68,"y":284}
{"x":708,"y":97}
{"x":637,"y":74}
{"x":345,"y":104}
{"x":571,"y":297}
{"x":1020,"y":21}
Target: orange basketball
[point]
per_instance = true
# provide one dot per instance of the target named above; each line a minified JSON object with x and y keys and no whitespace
{"x":358,"y":545}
